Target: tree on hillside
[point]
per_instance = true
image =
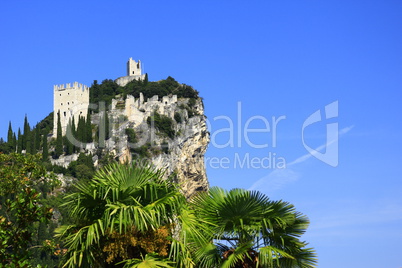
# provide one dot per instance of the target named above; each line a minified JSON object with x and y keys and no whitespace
{"x":251,"y":231}
{"x":19,"y":141}
{"x":74,"y":133}
{"x":14,"y":143}
{"x":28,"y":143}
{"x":45,"y":150}
{"x":9,"y":133}
{"x":67,"y":142}
{"x":10,"y":137}
{"x":59,"y":138}
{"x":88,"y":128}
{"x":81,"y":129}
{"x":37,"y":140}
{"x":22,"y":177}
{"x":26,"y":134}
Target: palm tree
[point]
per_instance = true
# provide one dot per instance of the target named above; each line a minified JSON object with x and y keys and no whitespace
{"x":249,"y":230}
{"x":128,"y":215}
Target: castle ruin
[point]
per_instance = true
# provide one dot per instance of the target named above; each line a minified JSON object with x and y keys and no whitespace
{"x":134,"y":72}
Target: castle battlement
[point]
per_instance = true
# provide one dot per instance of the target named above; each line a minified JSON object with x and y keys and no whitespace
{"x":70,"y":100}
{"x":76,"y":85}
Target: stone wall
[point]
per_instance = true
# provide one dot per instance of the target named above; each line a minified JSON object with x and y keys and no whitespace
{"x":72,"y":100}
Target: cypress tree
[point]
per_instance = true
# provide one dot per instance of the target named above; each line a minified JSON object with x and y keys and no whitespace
{"x":45,"y":151}
{"x":10,"y":134}
{"x":37,"y":140}
{"x":10,"y":138}
{"x":69,"y":145}
{"x":59,"y":138}
{"x":146,"y":79}
{"x":14,"y":142}
{"x":88,"y":128}
{"x":80,"y":129}
{"x":19,"y":142}
{"x":27,"y":130}
{"x":74,"y":132}
{"x":28,"y":142}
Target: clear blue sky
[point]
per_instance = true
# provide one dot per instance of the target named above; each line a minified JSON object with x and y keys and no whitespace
{"x":271,"y":58}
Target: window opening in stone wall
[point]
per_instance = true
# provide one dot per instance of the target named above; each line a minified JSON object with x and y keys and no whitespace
{"x":64,"y":113}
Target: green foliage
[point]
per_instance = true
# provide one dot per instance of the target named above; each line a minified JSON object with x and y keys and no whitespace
{"x":74,"y":132}
{"x":141,"y":151}
{"x":108,"y":89}
{"x":125,"y":212}
{"x":163,"y":123}
{"x":150,"y":261}
{"x":106,"y":159}
{"x":81,"y":129}
{"x":83,"y":172}
{"x":131,"y":136}
{"x":82,"y":169}
{"x":10,"y":145}
{"x":178,"y":117}
{"x":19,"y":141}
{"x":46,"y":124}
{"x":249,"y":230}
{"x":25,"y":136}
{"x":24,"y":182}
{"x":10,"y":134}
{"x":103,"y":92}
{"x":69,"y":147}
{"x":191,"y":103}
{"x":59,"y":139}
{"x":37,"y":140}
{"x":45,"y":150}
{"x":88,"y":129}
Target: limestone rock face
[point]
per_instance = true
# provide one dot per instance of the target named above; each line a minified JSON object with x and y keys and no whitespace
{"x":185,"y":159}
{"x":180,"y":155}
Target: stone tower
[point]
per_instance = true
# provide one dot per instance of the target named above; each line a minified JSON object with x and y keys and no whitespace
{"x":133,"y":67}
{"x":134,"y":72}
{"x":71,"y":100}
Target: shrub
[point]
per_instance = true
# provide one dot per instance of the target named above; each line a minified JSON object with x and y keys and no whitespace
{"x":178,"y":117}
{"x":131,"y":136}
{"x":163,"y":123}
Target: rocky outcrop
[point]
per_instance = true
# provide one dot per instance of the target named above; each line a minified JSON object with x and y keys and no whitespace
{"x":181,"y":154}
{"x":185,"y":159}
